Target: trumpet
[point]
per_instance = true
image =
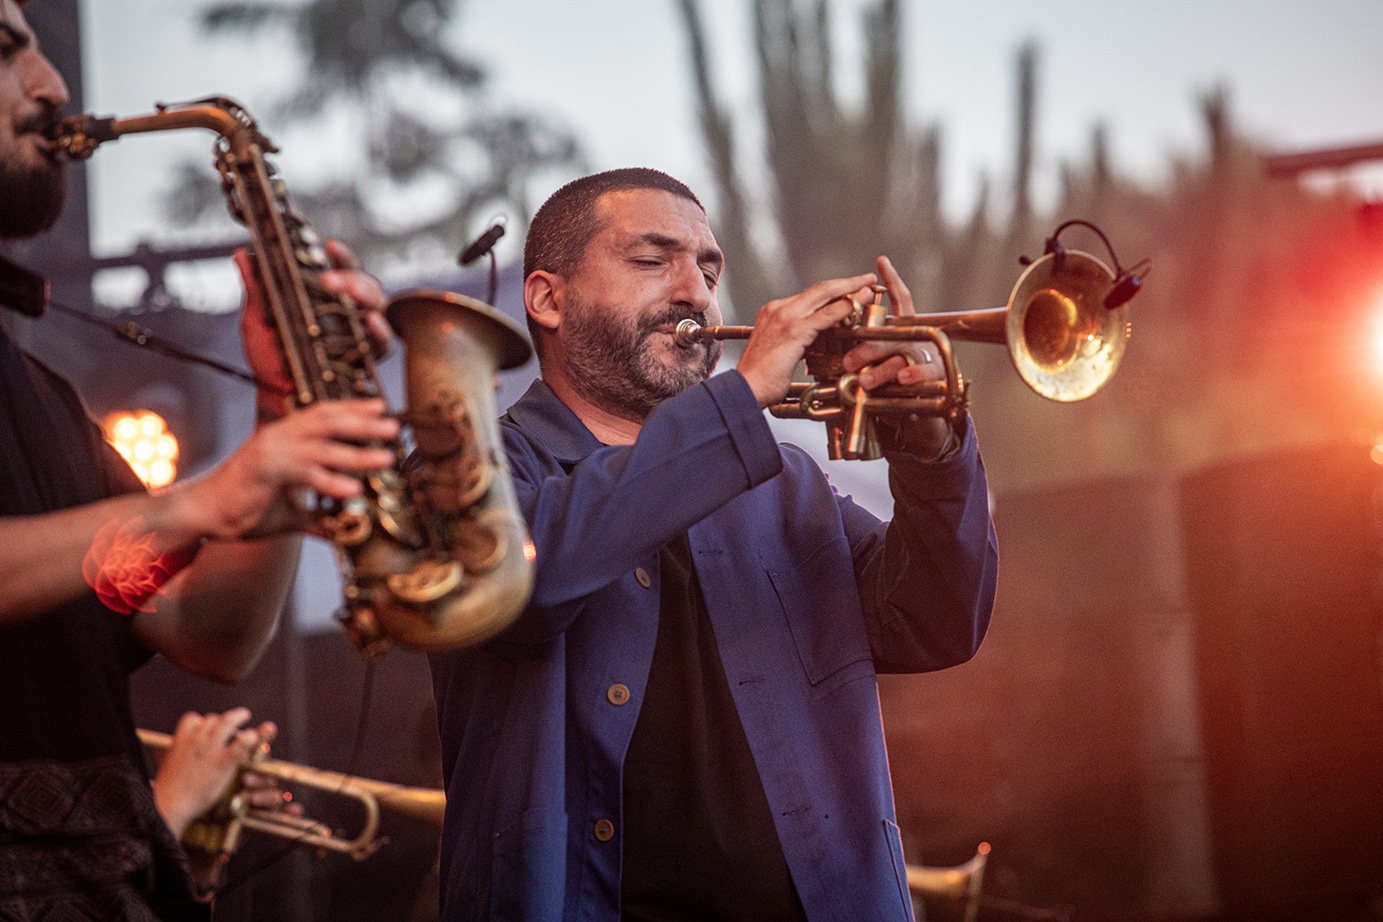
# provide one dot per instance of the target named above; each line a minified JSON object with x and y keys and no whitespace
{"x":1066,"y":326}
{"x":961,"y":882}
{"x":221,"y":830}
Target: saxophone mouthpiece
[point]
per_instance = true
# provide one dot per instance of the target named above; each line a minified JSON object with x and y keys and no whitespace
{"x":78,"y":136}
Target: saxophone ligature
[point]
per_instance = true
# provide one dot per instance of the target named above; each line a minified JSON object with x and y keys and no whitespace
{"x":435,"y":555}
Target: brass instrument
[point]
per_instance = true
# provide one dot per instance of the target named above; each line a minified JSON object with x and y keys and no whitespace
{"x":220,"y":832}
{"x":1065,"y":326}
{"x":429,"y":576}
{"x":961,"y":882}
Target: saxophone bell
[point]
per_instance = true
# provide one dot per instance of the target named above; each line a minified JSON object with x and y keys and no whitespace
{"x":459,"y":479}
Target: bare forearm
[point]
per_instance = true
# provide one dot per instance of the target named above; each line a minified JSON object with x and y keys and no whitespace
{"x":216,"y":617}
{"x":193,"y":559}
{"x":212,"y":616}
{"x":42,"y":557}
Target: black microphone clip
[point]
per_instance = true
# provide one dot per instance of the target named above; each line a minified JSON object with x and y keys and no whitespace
{"x":1128,"y":283}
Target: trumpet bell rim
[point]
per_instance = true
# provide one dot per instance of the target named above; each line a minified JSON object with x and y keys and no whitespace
{"x":1063,"y":341}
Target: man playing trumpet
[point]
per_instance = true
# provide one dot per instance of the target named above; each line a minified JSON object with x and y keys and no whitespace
{"x":684,"y":721}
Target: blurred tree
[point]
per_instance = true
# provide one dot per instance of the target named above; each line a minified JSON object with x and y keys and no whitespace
{"x":845,"y":186}
{"x":1253,"y":276}
{"x":437,"y":162}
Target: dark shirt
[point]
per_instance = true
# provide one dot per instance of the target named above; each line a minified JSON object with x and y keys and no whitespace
{"x":699,"y":841}
{"x":80,"y":836}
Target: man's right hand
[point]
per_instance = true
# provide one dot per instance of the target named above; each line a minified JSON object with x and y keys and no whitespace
{"x":320,"y":448}
{"x":784,"y":329}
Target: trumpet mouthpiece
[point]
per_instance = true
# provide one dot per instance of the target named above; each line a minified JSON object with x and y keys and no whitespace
{"x":688,"y":332}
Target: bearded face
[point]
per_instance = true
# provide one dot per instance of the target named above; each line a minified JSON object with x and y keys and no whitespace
{"x":630,"y":369}
{"x":32,"y":191}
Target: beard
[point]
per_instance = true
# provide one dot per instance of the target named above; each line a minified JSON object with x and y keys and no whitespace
{"x":31,"y":200}
{"x":616,"y":368}
{"x":31,"y":196}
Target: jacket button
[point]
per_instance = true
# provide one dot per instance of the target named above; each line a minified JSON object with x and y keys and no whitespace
{"x":618,"y":693}
{"x":642,"y":576}
{"x":604,"y":830}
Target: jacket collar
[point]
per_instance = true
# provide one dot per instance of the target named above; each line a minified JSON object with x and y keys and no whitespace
{"x":542,"y":415}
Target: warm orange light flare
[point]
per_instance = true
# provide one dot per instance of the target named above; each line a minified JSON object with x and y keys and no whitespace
{"x":143,"y":440}
{"x":1377,"y":343}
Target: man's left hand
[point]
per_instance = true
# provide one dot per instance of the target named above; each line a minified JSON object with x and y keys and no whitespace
{"x":262,"y":346}
{"x":901,"y":362}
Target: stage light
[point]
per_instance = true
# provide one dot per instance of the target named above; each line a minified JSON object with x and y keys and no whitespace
{"x":143,"y":440}
{"x":1377,"y":341}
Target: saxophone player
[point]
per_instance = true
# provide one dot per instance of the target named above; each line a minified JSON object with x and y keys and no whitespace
{"x":100,"y":575}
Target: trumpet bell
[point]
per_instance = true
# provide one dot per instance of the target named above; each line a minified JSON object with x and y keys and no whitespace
{"x":1063,"y":341}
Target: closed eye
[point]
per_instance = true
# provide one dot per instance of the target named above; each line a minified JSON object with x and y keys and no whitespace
{"x":12,"y":41}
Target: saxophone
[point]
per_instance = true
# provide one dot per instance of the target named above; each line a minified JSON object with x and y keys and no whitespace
{"x":434,"y":555}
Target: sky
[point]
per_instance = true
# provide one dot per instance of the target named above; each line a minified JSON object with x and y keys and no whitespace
{"x":1301,"y":74}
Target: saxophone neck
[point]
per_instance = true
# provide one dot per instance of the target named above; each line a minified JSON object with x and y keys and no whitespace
{"x":78,"y":136}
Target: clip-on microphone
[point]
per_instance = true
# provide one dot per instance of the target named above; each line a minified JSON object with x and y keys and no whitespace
{"x":482,"y":245}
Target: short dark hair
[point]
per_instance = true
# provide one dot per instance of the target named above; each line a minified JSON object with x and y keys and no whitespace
{"x":567,"y":221}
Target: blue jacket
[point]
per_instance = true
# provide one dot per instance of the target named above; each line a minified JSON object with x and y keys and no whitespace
{"x":809,"y":596}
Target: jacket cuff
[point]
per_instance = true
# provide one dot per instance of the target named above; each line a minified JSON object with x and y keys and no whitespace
{"x":950,"y":473}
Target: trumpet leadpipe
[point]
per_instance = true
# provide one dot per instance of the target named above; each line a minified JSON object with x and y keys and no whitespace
{"x":970,"y":326}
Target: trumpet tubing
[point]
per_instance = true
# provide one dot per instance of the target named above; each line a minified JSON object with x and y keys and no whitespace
{"x":1064,"y":340}
{"x":220,"y":832}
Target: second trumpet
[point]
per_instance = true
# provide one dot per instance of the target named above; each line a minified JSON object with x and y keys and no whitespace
{"x":220,"y":831}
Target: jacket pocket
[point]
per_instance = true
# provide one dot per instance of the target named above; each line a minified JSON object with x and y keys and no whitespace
{"x":530,"y":868}
{"x":822,"y":608}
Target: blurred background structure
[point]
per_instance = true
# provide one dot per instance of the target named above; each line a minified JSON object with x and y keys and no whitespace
{"x":1178,"y":714}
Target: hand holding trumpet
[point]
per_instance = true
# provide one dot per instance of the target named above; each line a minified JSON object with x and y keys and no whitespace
{"x":787,"y":330}
{"x":205,"y":759}
{"x":904,"y":362}
{"x":876,"y":383}
{"x":215,"y":781}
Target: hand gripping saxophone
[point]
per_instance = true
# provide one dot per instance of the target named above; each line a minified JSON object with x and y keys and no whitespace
{"x":435,"y":555}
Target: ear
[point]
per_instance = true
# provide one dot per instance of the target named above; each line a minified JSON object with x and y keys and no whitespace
{"x":544,"y":298}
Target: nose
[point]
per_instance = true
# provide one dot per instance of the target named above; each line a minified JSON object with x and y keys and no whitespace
{"x":42,"y":82}
{"x":692,"y":287}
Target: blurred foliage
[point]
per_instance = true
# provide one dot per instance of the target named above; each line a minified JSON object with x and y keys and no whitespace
{"x":429,"y":162}
{"x":1254,"y":330}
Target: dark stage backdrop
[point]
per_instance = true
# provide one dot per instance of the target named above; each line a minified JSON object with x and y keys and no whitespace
{"x":1284,"y":566}
{"x":1178,"y":713}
